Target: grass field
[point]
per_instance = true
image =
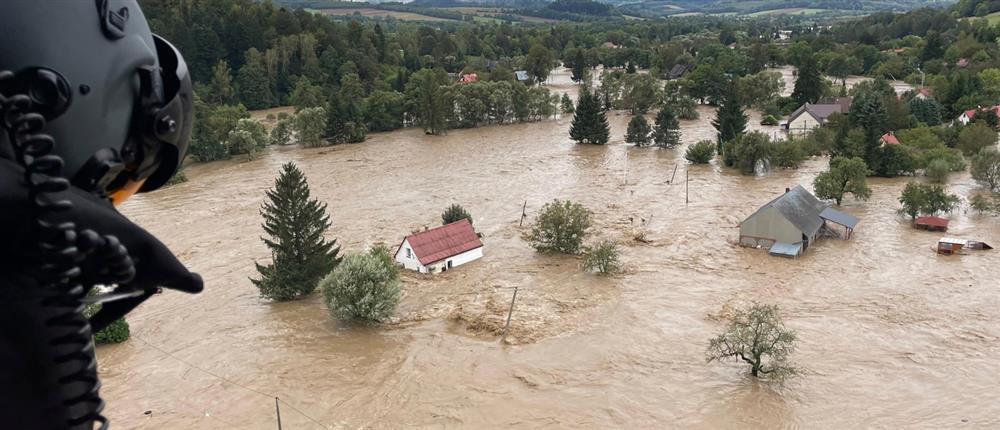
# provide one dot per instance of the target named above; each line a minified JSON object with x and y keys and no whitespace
{"x":378,"y":13}
{"x":788,"y":11}
{"x":486,"y":13}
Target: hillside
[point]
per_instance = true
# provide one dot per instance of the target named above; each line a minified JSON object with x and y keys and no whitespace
{"x":771,"y":7}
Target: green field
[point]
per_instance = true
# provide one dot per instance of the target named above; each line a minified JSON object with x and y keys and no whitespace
{"x":789,"y":11}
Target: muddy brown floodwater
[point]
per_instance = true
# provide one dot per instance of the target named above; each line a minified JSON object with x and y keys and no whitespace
{"x":891,"y":335}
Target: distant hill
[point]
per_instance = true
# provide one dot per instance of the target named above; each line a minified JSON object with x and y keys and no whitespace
{"x":771,"y":7}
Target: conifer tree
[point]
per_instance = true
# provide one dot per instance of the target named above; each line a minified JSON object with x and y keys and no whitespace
{"x":638,"y":131}
{"x":666,"y":132}
{"x":295,"y":224}
{"x":730,"y":120}
{"x":590,"y":125}
{"x":809,"y":83}
{"x":567,"y":104}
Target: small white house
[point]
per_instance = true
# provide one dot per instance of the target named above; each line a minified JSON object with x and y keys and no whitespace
{"x":440,"y":249}
{"x":810,"y":116}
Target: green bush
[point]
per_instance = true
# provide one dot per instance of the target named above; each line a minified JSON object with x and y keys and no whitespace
{"x":769,"y":120}
{"x":937,"y":170}
{"x":454,"y":213}
{"x":701,"y":152}
{"x":604,"y":258}
{"x":178,"y":178}
{"x":561,"y":227}
{"x":787,"y":154}
{"x":363,"y":287}
{"x":116,"y":332}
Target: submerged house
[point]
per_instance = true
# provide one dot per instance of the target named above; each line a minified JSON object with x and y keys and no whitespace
{"x":810,"y":116}
{"x":440,"y":249}
{"x":678,"y":71}
{"x":790,"y":223}
{"x":950,"y":245}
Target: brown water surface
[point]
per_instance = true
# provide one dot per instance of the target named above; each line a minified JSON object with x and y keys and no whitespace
{"x":891,"y":335}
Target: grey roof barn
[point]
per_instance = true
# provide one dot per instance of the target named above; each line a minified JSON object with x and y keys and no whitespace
{"x":791,"y":222}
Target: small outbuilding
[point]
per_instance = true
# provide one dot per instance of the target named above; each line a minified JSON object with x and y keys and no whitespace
{"x":931,"y":223}
{"x":790,"y":223}
{"x":440,"y":249}
{"x":951,"y":245}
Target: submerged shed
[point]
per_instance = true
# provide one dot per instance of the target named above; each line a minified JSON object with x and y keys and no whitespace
{"x":847,"y":221}
{"x":439,"y":249}
{"x":931,"y":223}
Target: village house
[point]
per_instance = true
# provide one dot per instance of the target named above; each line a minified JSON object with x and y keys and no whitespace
{"x":966,"y":117}
{"x":790,"y":223}
{"x":521,"y":75}
{"x":440,"y":249}
{"x":931,"y":223}
{"x":810,"y":116}
{"x":924,"y":94}
{"x":467,"y":78}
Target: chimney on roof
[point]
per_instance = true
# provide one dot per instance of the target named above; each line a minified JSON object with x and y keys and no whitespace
{"x":787,"y":189}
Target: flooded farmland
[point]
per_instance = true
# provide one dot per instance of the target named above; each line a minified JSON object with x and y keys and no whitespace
{"x":890,"y":334}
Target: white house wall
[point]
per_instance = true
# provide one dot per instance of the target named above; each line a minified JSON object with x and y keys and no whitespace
{"x":457,"y":260}
{"x":411,"y":262}
{"x":803,"y":123}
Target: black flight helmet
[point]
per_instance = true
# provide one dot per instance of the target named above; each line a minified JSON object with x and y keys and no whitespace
{"x":117,"y":98}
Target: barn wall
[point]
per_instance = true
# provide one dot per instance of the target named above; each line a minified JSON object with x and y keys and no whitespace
{"x":768,"y":223}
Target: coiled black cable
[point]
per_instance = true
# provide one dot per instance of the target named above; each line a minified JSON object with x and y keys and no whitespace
{"x":62,"y":250}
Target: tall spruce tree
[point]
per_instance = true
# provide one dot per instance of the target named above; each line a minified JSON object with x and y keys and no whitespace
{"x":667,"y":130}
{"x":730,"y":120}
{"x":300,"y":255}
{"x":638,"y":131}
{"x":590,"y":125}
{"x":809,"y":83}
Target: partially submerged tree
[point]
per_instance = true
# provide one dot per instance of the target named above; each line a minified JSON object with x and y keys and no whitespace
{"x":566,"y":104}
{"x":747,"y":151}
{"x":363,"y":287}
{"x":561,"y":226}
{"x":701,"y":152}
{"x":730,"y":121}
{"x":310,"y":125}
{"x":247,"y":138}
{"x":281,"y":134}
{"x":667,"y":130}
{"x":590,"y":125}
{"x":846,"y":175}
{"x":921,"y":199}
{"x":454,"y":213}
{"x":295,"y":224}
{"x":638,"y":131}
{"x":603,"y":258}
{"x":986,"y":169}
{"x":757,"y":336}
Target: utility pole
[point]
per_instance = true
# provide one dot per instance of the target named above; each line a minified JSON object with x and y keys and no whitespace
{"x":523,"y":213}
{"x":687,"y":180}
{"x":277,"y":410}
{"x":509,"y":312}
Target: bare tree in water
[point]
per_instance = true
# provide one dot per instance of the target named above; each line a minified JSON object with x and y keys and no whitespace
{"x":757,"y":336}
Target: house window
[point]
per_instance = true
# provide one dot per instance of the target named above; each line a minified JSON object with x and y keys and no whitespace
{"x":408,"y":254}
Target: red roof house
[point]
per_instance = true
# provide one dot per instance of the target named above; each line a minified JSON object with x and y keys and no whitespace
{"x":931,"y":223}
{"x":440,"y":248}
{"x":467,"y":78}
{"x":889,"y":139}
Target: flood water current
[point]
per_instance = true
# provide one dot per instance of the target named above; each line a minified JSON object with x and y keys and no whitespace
{"x":891,"y":335}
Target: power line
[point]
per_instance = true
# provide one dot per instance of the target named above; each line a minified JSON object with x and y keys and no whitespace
{"x":224,"y":379}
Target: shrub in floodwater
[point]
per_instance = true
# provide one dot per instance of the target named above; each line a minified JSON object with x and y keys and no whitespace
{"x":561,"y":226}
{"x":756,"y":336}
{"x":701,"y":152}
{"x":116,"y":332}
{"x":300,"y":255}
{"x":454,"y":213}
{"x":769,"y":120}
{"x":363,"y":287}
{"x":604,"y":258}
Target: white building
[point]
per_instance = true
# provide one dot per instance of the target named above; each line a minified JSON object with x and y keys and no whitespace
{"x":440,"y":249}
{"x":810,"y":116}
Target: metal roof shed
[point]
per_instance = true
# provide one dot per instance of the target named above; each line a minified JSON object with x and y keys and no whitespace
{"x":838,"y":217}
{"x":931,"y":223}
{"x":790,"y":250}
